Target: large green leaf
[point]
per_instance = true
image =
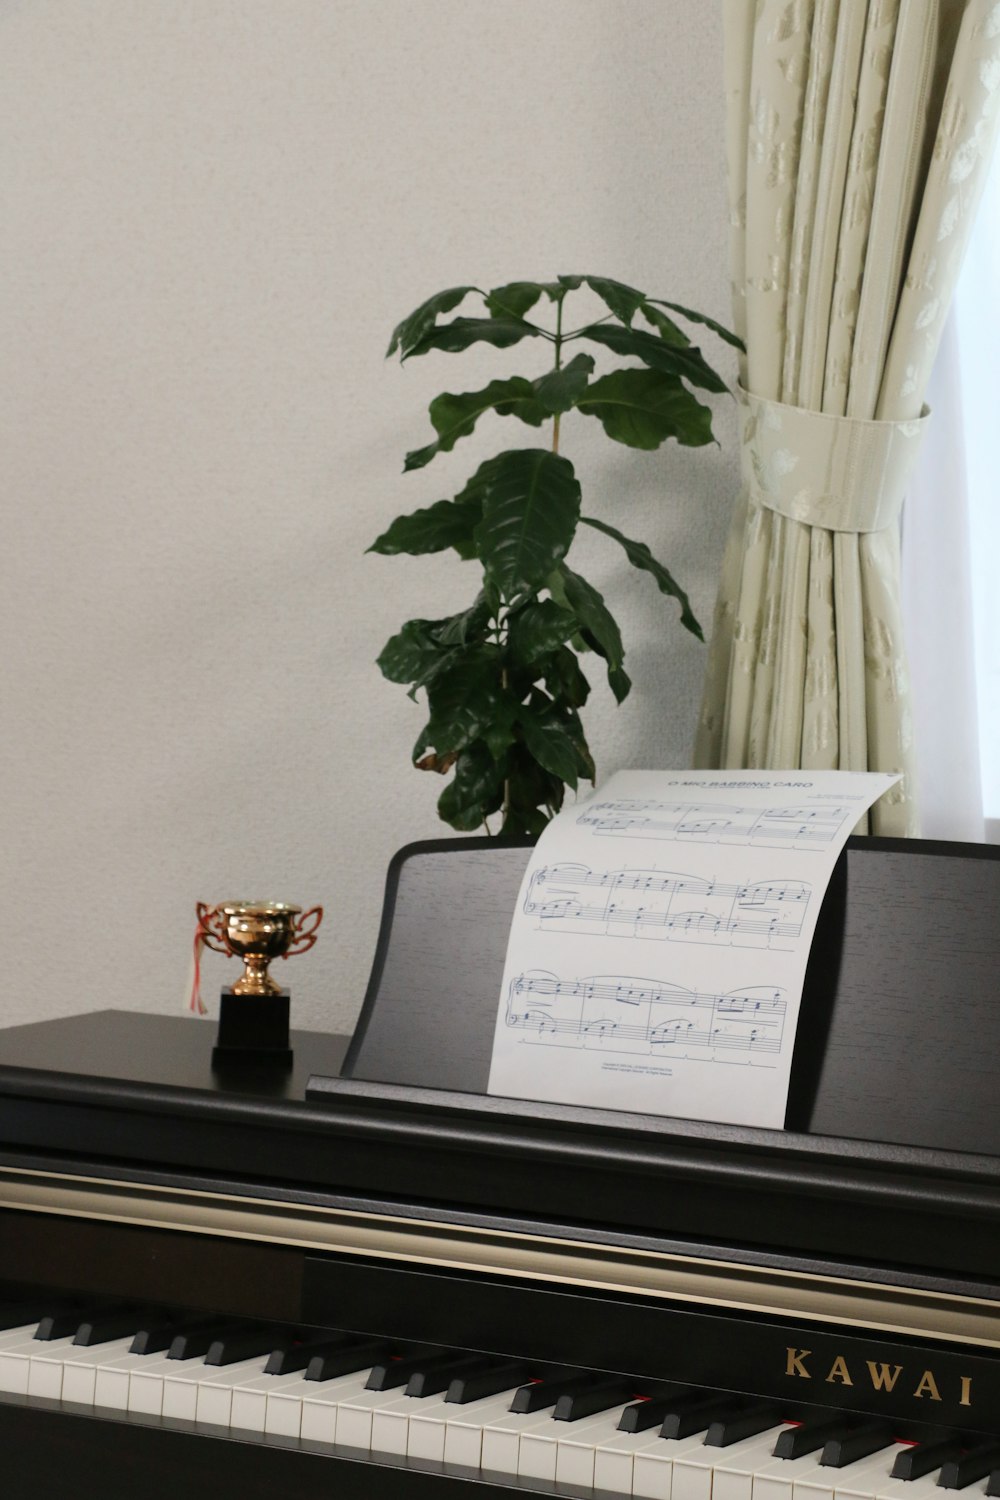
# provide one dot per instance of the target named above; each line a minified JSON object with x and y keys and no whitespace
{"x":460,"y":333}
{"x":446,"y":523}
{"x":560,"y":389}
{"x":529,"y":517}
{"x":549,"y":741}
{"x":642,"y":408}
{"x":514,"y":299}
{"x":455,"y":416}
{"x":655,"y":352}
{"x":621,"y":300}
{"x":697,"y":317}
{"x":414,"y":651}
{"x":640,"y":556}
{"x":412,"y":329}
{"x":563,"y":677}
{"x":665,"y":327}
{"x":468,"y":625}
{"x":463,"y":700}
{"x":475,"y":791}
{"x":598,"y":626}
{"x":536,"y":630}
{"x":424,"y":648}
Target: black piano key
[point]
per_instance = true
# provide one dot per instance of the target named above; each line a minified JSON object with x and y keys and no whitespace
{"x":741,"y":1422}
{"x":854,"y":1443}
{"x":688,"y":1417}
{"x":158,"y":1336}
{"x":430,"y":1381}
{"x":974,"y":1464}
{"x":808,"y":1436}
{"x":595,"y":1396}
{"x":98,"y":1328}
{"x":296,"y":1354}
{"x":193,"y":1343}
{"x":387,"y":1374}
{"x":243,"y":1344}
{"x":59,"y":1325}
{"x":921,"y":1458}
{"x":347,"y":1361}
{"x":643,"y":1415}
{"x":538,"y":1394}
{"x":490,"y":1380}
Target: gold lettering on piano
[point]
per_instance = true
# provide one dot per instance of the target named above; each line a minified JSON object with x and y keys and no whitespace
{"x":883,"y":1379}
{"x":885,"y":1376}
{"x":839,"y":1371}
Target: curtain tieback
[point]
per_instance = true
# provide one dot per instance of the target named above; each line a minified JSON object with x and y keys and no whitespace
{"x":841,"y":473}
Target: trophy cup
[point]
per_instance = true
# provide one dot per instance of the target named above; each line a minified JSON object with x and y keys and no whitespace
{"x":253,"y":1014}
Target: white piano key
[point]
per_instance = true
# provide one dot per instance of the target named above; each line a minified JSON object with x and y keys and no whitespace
{"x":20,"y":1335}
{"x":539,"y":1448}
{"x":354,"y":1416}
{"x":697,"y":1474}
{"x":45,"y":1366}
{"x":321,"y":1412}
{"x":860,"y":1479}
{"x":577,"y":1445}
{"x":183,"y":1379}
{"x":774,"y":1480}
{"x":146,"y":1382}
{"x":286,"y":1409}
{"x":652,"y":1468}
{"x":80,"y":1369}
{"x":614,"y":1459}
{"x":214,"y":1404}
{"x":924,"y":1488}
{"x":463,"y":1433}
{"x":111,"y":1388}
{"x":391,"y":1424}
{"x":502,"y":1439}
{"x":428,"y":1427}
{"x":249,"y":1410}
{"x":14,"y":1360}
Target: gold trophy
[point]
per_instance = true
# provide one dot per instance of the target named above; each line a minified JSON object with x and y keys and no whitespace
{"x":253,"y":1014}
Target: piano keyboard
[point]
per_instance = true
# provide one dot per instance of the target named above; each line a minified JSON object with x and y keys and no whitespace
{"x":574,"y":1431}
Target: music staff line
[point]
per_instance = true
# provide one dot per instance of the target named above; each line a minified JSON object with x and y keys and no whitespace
{"x":622,"y":1014}
{"x":670,"y":906}
{"x":693,"y":822}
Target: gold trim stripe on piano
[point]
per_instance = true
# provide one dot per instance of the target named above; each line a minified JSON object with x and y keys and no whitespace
{"x":808,"y":1296}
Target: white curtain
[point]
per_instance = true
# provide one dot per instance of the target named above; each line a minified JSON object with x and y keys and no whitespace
{"x":938,"y":613}
{"x":858,"y":139}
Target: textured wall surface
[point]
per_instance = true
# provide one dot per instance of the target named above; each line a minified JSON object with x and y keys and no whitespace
{"x":217,"y":210}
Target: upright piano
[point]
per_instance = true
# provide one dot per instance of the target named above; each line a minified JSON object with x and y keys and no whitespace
{"x":364,"y":1277}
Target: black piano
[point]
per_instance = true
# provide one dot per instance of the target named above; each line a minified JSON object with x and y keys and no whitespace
{"x":363,"y":1277}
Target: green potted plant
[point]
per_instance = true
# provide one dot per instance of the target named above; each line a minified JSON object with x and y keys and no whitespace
{"x":503,"y":680}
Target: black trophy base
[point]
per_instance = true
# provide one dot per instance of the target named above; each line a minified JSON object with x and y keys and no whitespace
{"x":253,"y":1029}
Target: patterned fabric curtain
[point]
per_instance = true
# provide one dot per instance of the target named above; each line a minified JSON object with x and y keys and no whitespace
{"x":859,"y":133}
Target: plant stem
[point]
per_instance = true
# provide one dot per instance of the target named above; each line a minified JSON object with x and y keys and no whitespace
{"x":558,"y":364}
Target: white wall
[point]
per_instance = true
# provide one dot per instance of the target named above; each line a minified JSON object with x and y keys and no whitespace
{"x":216,"y":212}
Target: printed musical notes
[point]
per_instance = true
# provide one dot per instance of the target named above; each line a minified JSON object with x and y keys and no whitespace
{"x":647,"y":1018}
{"x":777,"y":827}
{"x":667,"y":906}
{"x":660,"y":941}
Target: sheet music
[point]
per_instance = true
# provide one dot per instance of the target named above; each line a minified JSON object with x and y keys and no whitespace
{"x":659,"y":946}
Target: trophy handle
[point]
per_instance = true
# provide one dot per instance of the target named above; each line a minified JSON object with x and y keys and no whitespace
{"x":305,"y":936}
{"x":209,"y":927}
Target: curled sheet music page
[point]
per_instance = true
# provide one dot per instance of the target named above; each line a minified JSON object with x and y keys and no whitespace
{"x":659,"y":946}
